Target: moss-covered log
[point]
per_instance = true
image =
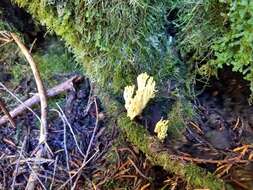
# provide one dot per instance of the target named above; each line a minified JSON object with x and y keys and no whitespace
{"x":117,"y":38}
{"x":115,"y":41}
{"x":196,"y":176}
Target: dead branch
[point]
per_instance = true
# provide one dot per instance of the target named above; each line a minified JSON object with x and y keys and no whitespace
{"x":67,"y":85}
{"x":43,"y":105}
{"x":5,"y":38}
{"x":19,"y":100}
{"x":40,"y":87}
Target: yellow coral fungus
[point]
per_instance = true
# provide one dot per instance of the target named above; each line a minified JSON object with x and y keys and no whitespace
{"x":161,"y":129}
{"x":134,"y":104}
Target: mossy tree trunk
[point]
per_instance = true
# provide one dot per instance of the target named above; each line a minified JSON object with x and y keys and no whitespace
{"x":116,"y":41}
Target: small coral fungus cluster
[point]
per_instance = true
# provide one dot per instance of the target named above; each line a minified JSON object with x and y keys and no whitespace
{"x":135,"y":104}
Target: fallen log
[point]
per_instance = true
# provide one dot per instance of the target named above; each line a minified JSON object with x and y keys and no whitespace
{"x":67,"y":85}
{"x":194,"y":175}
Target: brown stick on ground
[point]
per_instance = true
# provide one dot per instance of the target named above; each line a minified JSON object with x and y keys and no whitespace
{"x":67,"y":85}
{"x":43,"y":106}
{"x":6,"y":113}
{"x":40,"y":87}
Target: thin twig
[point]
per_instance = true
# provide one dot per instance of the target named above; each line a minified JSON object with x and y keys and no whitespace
{"x":16,"y":111}
{"x":138,"y":170}
{"x":35,"y":176}
{"x":70,"y":128}
{"x":6,"y":38}
{"x":5,"y":43}
{"x":90,"y":143}
{"x":65,"y":143}
{"x":55,"y":166}
{"x":94,"y":131}
{"x":5,"y":34}
{"x":66,"y":149}
{"x":36,"y":160}
{"x":18,"y":162}
{"x":31,"y":48}
{"x":85,"y":160}
{"x":43,"y":105}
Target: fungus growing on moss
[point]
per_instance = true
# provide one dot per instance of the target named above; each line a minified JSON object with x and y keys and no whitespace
{"x":161,"y":129}
{"x":134,"y":104}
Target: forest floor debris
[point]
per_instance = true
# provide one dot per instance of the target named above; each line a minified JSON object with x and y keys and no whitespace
{"x":80,"y":110}
{"x":218,"y":139}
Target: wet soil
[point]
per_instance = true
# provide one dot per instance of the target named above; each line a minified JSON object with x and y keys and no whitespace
{"x":226,"y":105}
{"x":224,"y":121}
{"x":224,"y":112}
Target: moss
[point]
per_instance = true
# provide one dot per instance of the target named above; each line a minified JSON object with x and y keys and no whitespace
{"x":216,"y":34}
{"x":52,"y":61}
{"x":177,"y":118}
{"x":200,"y":25}
{"x":110,"y":184}
{"x":136,"y":134}
{"x":7,"y":53}
{"x":195,"y":175}
{"x":115,"y":41}
{"x":117,"y":38}
{"x":55,"y":60}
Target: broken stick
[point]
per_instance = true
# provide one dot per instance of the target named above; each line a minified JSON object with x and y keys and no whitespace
{"x":40,"y":87}
{"x":31,"y":183}
{"x":67,"y":85}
